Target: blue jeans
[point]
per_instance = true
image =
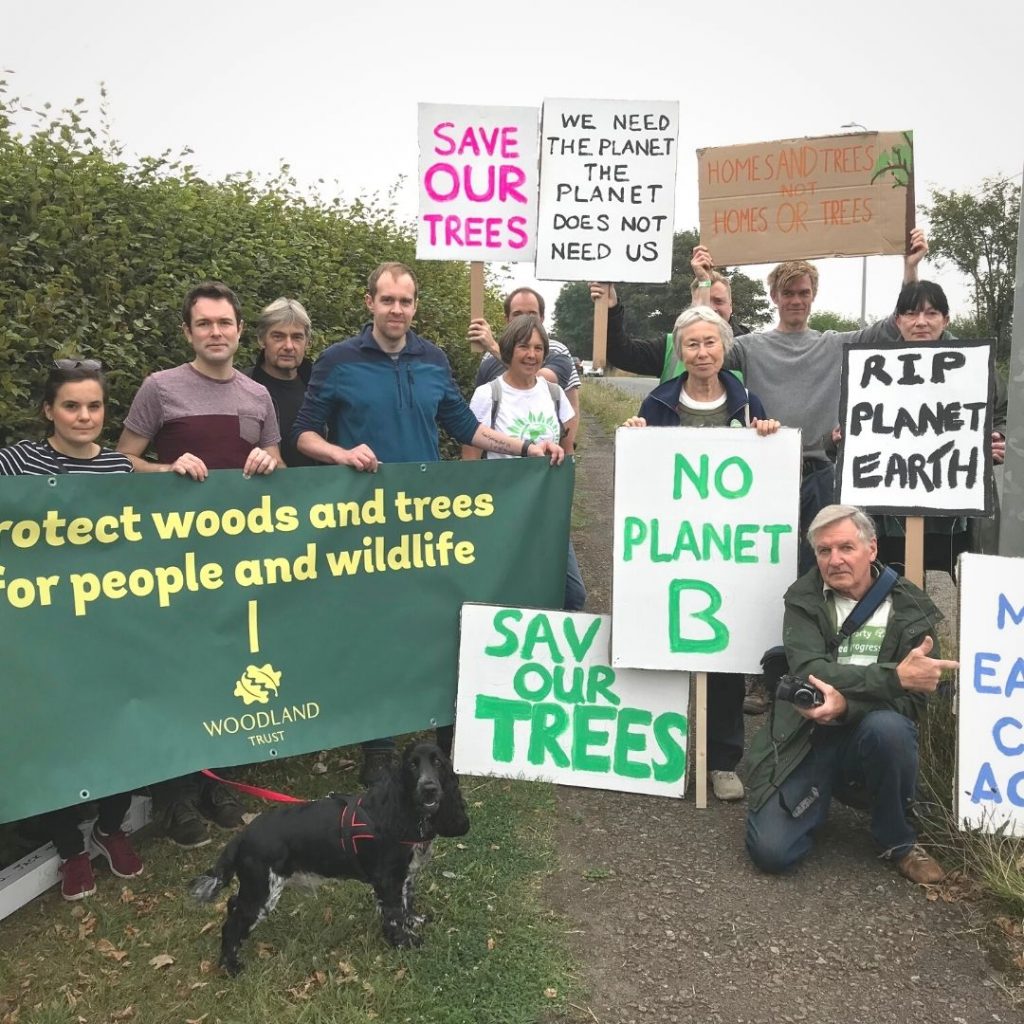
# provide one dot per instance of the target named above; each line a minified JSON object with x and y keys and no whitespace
{"x":817,"y":489}
{"x":879,"y":753}
{"x":575,"y":592}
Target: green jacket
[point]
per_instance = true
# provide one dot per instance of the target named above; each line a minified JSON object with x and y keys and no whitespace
{"x":808,"y":625}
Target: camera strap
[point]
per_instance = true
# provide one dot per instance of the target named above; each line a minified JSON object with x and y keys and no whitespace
{"x":865,"y":607}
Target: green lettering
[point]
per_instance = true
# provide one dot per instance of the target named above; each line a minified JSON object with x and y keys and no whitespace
{"x":680,"y":644}
{"x":549,"y":722}
{"x":744,"y":542}
{"x":699,"y":480}
{"x":626,"y":740}
{"x":579,"y":646}
{"x":519,"y":683}
{"x":600,"y":680}
{"x":746,"y":477}
{"x":504,"y":713}
{"x":673,"y":767}
{"x":776,"y":531}
{"x":656,"y":555}
{"x":584,"y":736}
{"x":634,"y":533}
{"x":686,"y":541}
{"x":573,"y":693}
{"x":511,"y":643}
{"x":722,"y":541}
{"x":539,"y":631}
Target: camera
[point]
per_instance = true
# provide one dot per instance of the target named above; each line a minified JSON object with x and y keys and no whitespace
{"x":800,"y":692}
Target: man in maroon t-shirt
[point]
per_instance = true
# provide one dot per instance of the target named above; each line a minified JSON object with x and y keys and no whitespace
{"x":200,"y":416}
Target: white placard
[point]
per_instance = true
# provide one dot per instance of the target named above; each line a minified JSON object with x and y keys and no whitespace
{"x":538,"y":700}
{"x":990,"y":717}
{"x":478,"y":181}
{"x":706,"y":528}
{"x":607,"y":190}
{"x":917,"y":428}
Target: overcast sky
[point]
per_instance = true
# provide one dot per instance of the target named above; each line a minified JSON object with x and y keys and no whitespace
{"x":332,"y":88}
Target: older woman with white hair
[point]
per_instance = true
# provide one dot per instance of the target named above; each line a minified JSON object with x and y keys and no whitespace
{"x":705,"y":395}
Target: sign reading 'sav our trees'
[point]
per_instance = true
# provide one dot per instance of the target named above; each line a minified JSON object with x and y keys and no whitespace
{"x":478,"y":180}
{"x":705,"y":545}
{"x":917,"y":428}
{"x":538,"y":700}
{"x":990,"y":716}
{"x":607,"y":190}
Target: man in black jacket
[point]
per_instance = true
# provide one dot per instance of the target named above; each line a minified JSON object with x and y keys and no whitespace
{"x":283,"y":331}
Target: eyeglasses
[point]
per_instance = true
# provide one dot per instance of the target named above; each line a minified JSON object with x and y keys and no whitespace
{"x":78,"y":364}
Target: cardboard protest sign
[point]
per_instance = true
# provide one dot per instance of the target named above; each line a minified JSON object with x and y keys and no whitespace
{"x":478,"y":179}
{"x":607,"y":190}
{"x":538,"y":700}
{"x":917,"y":428}
{"x":990,"y":714}
{"x":706,"y":529}
{"x":183,"y":626}
{"x":843,"y":195}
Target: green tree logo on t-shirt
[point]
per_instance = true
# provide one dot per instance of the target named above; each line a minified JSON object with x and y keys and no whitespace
{"x":534,"y":427}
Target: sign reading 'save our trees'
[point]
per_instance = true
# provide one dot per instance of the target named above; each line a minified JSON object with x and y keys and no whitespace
{"x":538,"y":700}
{"x":847,"y":195}
{"x":917,"y":428}
{"x":478,"y":180}
{"x":151,"y":626}
{"x":607,"y":195}
{"x":705,"y":545}
{"x":990,"y":714}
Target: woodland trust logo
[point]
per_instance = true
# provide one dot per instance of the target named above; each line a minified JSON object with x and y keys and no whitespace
{"x":256,"y":682}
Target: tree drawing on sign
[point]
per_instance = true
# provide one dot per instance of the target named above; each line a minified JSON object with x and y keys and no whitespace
{"x":898,"y":161}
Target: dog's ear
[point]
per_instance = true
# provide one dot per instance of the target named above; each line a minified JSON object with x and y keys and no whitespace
{"x":452,"y":818}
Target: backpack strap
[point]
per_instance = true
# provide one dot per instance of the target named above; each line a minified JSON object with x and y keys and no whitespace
{"x":556,"y":399}
{"x":495,"y":399}
{"x":865,"y":607}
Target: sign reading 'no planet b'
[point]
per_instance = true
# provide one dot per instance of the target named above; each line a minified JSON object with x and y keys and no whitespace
{"x":607,"y":194}
{"x":917,"y":428}
{"x":705,"y":545}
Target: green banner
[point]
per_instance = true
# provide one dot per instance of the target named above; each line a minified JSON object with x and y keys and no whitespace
{"x":151,"y":626}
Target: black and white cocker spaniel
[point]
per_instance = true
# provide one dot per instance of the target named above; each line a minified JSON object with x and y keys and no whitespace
{"x":382,"y":837}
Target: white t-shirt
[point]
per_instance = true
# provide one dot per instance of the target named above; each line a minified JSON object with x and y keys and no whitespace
{"x":862,"y":648}
{"x":528,"y":415}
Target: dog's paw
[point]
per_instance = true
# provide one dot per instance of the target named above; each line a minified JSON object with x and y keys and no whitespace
{"x":401,"y":936}
{"x":232,"y":965}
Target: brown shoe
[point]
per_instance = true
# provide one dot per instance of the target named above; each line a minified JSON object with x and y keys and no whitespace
{"x":920,"y":867}
{"x":756,"y":700}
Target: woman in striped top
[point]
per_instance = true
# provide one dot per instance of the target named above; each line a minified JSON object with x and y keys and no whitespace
{"x":74,"y":403}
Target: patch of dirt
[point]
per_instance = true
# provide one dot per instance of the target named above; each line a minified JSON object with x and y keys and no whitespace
{"x":670,"y":921}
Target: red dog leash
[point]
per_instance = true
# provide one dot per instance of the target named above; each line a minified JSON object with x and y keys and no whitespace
{"x":263,"y":794}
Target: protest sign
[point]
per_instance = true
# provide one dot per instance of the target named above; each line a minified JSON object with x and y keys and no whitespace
{"x":844,"y":195}
{"x":917,"y":428}
{"x":705,"y":546}
{"x":538,"y":700}
{"x":150,"y":626}
{"x":607,"y":190}
{"x":478,"y":180}
{"x":990,"y":714}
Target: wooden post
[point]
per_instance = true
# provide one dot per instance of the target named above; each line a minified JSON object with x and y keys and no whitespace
{"x":913,"y":553}
{"x":701,"y":760}
{"x":476,"y":297}
{"x":600,"y":353}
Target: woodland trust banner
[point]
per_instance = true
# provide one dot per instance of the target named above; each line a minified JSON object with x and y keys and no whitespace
{"x":539,"y":700}
{"x":845,"y":195}
{"x":705,"y":545}
{"x":151,"y":626}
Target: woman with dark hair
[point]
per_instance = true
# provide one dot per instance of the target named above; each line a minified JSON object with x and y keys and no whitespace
{"x":74,"y":402}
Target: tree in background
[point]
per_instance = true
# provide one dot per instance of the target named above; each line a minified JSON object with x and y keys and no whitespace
{"x":977,"y":234}
{"x":97,"y":253}
{"x":653,"y":308}
{"x":826,"y":320}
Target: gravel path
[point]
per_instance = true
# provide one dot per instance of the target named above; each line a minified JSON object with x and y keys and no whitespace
{"x":671,"y":922}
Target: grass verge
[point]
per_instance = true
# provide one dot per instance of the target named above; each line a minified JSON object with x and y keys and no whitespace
{"x":606,"y":403}
{"x":144,"y":951}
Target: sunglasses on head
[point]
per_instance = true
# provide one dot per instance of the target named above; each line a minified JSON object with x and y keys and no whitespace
{"x":77,"y":364}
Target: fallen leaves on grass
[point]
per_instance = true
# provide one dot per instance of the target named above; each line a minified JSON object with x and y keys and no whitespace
{"x":126,"y":1014}
{"x":161,"y":960}
{"x":304,"y":990}
{"x":106,"y":948}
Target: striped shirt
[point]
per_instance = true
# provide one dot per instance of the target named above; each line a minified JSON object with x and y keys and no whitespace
{"x":40,"y":458}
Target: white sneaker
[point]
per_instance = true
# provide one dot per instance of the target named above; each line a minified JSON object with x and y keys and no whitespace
{"x":726,"y":786}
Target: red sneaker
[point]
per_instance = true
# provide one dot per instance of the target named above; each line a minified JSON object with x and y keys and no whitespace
{"x":76,"y":879}
{"x":122,"y":858}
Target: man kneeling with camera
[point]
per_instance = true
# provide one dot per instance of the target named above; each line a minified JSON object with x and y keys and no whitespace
{"x":858,"y":641}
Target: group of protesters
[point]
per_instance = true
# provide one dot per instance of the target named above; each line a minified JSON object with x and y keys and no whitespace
{"x":380,"y":396}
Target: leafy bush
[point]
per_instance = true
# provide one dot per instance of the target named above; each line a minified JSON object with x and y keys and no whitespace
{"x":96,"y":255}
